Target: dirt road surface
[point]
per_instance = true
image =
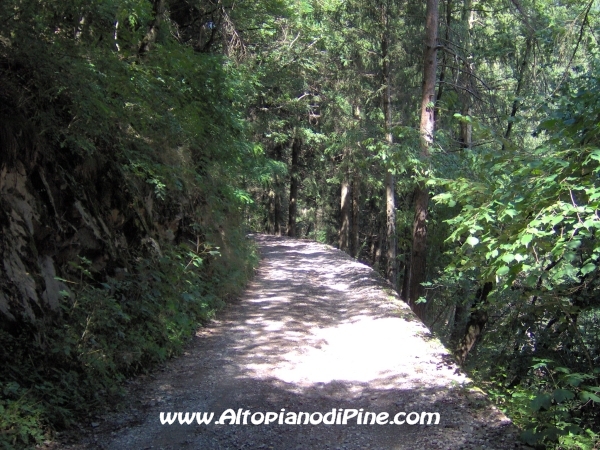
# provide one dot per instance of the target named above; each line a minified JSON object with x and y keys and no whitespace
{"x":315,"y":331}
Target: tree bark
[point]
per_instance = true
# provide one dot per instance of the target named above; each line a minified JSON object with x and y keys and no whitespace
{"x":466,"y":128}
{"x":276,"y":195}
{"x":443,"y":73}
{"x":294,"y":182}
{"x":429,"y":73}
{"x":516,"y":102}
{"x":406,"y":279}
{"x":419,"y":247}
{"x":346,"y":204}
{"x":390,"y":182}
{"x":277,"y":216}
{"x":379,"y":246}
{"x":476,"y":323}
{"x":271,"y":212}
{"x":354,"y":236}
{"x":373,"y":244}
{"x":158,"y":7}
{"x":460,"y":311}
{"x":418,"y":256}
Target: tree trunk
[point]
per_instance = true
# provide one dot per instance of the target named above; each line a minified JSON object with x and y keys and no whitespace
{"x":294,"y":182}
{"x":444,"y":57}
{"x":515,"y":106}
{"x":476,"y":323}
{"x":373,"y":238}
{"x":466,"y":128}
{"x":277,"y":216}
{"x":418,"y":256}
{"x":271,"y":212}
{"x":391,"y":272}
{"x":406,"y":279}
{"x":354,"y":236}
{"x":390,"y":182}
{"x":379,"y":247}
{"x":277,"y":209}
{"x":346,"y":205}
{"x":158,"y":7}
{"x":419,"y":247}
{"x":429,"y":73}
{"x":460,"y":310}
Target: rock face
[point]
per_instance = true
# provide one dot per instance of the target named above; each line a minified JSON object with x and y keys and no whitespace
{"x":55,"y":215}
{"x":315,"y":332}
{"x":28,"y":283}
{"x":17,"y":227}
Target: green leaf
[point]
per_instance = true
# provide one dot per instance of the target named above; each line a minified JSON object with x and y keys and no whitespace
{"x":526,"y":239}
{"x":560,"y":395}
{"x":589,"y":267}
{"x":586,"y":396}
{"x":502,"y":270}
{"x":575,"y":379}
{"x":541,"y":401}
{"x":508,"y":258}
{"x":530,"y":437}
{"x":472,"y":240}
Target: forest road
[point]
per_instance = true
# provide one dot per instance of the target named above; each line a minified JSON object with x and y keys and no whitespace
{"x":315,"y":331}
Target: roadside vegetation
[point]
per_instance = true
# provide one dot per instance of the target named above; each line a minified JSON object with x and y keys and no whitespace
{"x":452,"y":145}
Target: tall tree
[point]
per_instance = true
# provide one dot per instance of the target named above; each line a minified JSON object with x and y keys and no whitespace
{"x":390,"y":182}
{"x":294,"y":183}
{"x":355,"y":229}
{"x":346,"y":202}
{"x":520,"y":82}
{"x":418,"y":260}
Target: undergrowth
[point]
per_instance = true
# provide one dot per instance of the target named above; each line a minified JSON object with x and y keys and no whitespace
{"x":63,"y":369}
{"x":554,"y":409}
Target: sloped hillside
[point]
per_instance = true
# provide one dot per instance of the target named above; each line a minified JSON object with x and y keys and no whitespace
{"x":120,"y":209}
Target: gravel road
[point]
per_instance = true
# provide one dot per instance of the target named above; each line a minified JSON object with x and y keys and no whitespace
{"x":315,"y":332}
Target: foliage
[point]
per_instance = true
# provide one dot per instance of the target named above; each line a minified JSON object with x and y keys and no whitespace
{"x":514,"y":174}
{"x":175,"y":127}
{"x":147,"y":153}
{"x":528,"y":223}
{"x":106,"y":333}
{"x":553,"y":408}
